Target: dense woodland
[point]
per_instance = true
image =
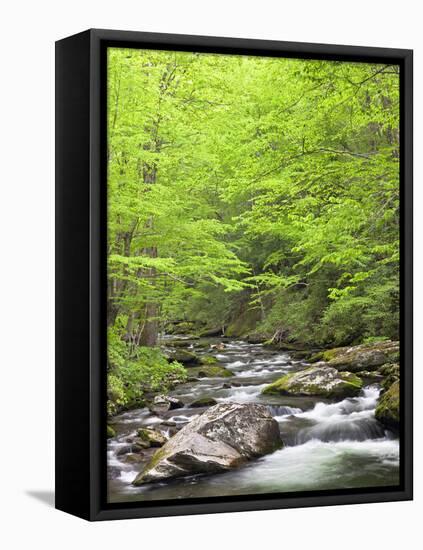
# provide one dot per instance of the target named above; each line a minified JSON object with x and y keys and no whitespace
{"x":255,"y":195}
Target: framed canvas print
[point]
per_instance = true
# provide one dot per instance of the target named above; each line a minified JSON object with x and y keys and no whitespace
{"x":234,"y":274}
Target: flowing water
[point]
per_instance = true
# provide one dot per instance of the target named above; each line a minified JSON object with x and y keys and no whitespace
{"x":328,"y":445}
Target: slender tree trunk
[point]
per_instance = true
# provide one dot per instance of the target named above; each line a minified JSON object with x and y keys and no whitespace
{"x":150,"y":331}
{"x":150,"y":328}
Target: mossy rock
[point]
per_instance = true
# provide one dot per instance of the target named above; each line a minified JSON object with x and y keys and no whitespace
{"x":183,"y":327}
{"x":208,"y":360}
{"x":139,"y":444}
{"x":111,"y":432}
{"x":204,"y":402}
{"x":374,"y":376}
{"x":391,"y":373}
{"x":302,"y":355}
{"x":133,"y":458}
{"x":215,"y":331}
{"x":324,"y":382}
{"x":390,"y":369}
{"x":257,"y":338}
{"x":185,"y":357}
{"x":179,"y":343}
{"x":364,"y":357}
{"x":284,"y":346}
{"x":388,"y":408}
{"x":151,"y":437}
{"x":223,"y":438}
{"x":210,"y":371}
{"x":325,"y":355}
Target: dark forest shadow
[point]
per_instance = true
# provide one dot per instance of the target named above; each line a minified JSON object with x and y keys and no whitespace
{"x":46,"y":497}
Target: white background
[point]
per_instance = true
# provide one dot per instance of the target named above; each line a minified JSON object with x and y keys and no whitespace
{"x":28,"y":32}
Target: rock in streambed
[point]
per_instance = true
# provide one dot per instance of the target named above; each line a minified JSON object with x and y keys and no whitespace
{"x":222,"y":438}
{"x":388,"y":407}
{"x":367,"y":357}
{"x":317,"y":381}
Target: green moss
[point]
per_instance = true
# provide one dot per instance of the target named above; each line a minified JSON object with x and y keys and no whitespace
{"x":352,"y":379}
{"x":184,"y":327}
{"x":150,"y":437}
{"x":390,"y":369}
{"x":208,"y":360}
{"x":278,"y":387}
{"x":388,"y":408}
{"x":316,"y":357}
{"x":210,"y":371}
{"x":283,"y":346}
{"x":287,"y":385}
{"x":330,"y":354}
{"x":155,"y":459}
{"x":110,"y":432}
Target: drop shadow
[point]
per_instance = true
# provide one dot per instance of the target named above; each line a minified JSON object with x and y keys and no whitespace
{"x":46,"y":497}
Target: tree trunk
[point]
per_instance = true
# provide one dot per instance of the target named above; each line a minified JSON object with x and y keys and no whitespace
{"x":150,"y":331}
{"x":150,"y":328}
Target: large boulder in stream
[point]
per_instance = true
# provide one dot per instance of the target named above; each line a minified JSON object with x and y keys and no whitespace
{"x":222,"y":438}
{"x":365,"y":357}
{"x":320,"y":381}
{"x":388,"y":407}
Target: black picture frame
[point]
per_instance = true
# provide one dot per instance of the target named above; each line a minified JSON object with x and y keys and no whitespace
{"x":81,"y":273}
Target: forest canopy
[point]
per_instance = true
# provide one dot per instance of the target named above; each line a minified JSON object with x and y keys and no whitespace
{"x":253,"y":194}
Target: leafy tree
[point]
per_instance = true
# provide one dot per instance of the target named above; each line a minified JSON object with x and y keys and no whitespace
{"x":251,"y":186}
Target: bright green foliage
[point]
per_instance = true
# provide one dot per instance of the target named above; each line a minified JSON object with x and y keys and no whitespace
{"x":134,"y":375}
{"x":257,"y":184}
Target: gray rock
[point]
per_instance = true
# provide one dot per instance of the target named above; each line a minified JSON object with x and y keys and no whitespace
{"x":133,"y":458}
{"x":367,"y":357}
{"x":124,"y":450}
{"x":319,"y":380}
{"x":256,"y":338}
{"x":163,"y":403}
{"x":214,"y":331}
{"x":148,"y":437}
{"x":204,"y":402}
{"x":222,"y":438}
{"x":388,"y":407}
{"x":183,"y":356}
